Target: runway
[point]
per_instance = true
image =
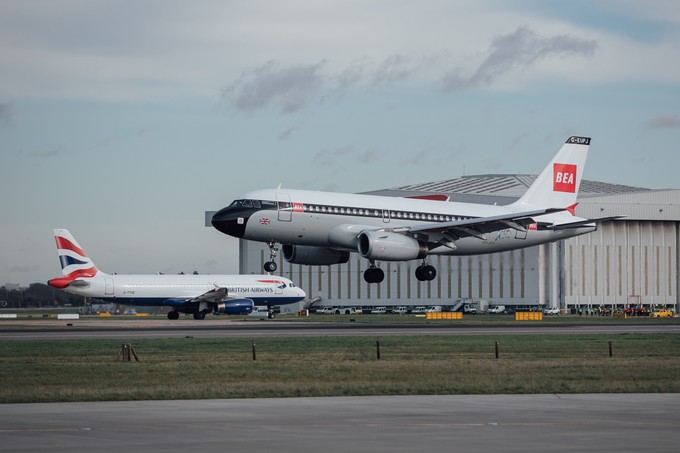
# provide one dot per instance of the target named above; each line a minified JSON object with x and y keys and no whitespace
{"x":136,"y":329}
{"x":510,"y":423}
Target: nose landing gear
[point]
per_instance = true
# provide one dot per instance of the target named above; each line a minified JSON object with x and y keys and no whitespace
{"x":270,"y":266}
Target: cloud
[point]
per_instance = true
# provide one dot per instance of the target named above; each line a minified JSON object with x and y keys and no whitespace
{"x":290,"y":89}
{"x":667,"y":121}
{"x":329,"y":158}
{"x":287,"y":133}
{"x":294,"y":88}
{"x":46,"y":154}
{"x":5,"y":113}
{"x":519,"y":49}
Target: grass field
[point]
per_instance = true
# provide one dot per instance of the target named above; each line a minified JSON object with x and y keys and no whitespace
{"x":189,"y":368}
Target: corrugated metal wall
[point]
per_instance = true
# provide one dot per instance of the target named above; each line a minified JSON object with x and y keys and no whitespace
{"x":509,"y":277}
{"x":622,"y":262}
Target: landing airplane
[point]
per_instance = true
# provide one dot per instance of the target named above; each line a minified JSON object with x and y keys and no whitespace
{"x":322,"y":228}
{"x":195,"y":294}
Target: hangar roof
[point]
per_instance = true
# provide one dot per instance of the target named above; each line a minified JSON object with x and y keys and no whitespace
{"x":596,"y":199}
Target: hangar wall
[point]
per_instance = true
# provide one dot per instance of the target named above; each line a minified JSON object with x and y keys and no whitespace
{"x":623,"y":262}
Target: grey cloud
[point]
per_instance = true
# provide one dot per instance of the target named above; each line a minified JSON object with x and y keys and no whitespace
{"x":329,"y":158}
{"x":295,"y":88}
{"x":393,"y":69}
{"x":520,"y":49}
{"x":291,"y":89}
{"x":287,"y":133}
{"x":46,"y":154}
{"x":667,"y":121}
{"x":368,"y":157}
{"x":5,"y":113}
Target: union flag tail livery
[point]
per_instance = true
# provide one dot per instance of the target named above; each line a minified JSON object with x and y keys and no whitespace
{"x":75,"y":264}
{"x":198,"y":295}
{"x":323,"y":228}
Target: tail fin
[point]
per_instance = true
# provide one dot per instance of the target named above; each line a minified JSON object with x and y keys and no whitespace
{"x":557,"y":186}
{"x":74,"y":261}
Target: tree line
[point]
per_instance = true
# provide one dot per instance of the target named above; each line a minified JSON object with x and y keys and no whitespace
{"x":37,"y":295}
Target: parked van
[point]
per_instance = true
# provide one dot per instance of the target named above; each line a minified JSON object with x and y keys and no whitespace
{"x":497,"y":309}
{"x":379,"y":311}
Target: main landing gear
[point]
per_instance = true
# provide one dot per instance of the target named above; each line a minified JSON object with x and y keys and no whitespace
{"x":270,"y":266}
{"x":424,"y":273}
{"x":374,"y":274}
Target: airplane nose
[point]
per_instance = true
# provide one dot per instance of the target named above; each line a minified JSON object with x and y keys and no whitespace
{"x":230,"y":222}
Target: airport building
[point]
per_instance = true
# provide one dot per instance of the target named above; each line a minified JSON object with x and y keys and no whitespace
{"x":632,"y":261}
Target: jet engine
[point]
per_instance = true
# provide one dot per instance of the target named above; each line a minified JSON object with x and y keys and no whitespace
{"x":314,"y":256}
{"x":235,"y":307}
{"x":386,"y":246}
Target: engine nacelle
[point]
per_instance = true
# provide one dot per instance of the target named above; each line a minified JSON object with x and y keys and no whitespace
{"x":386,"y":246}
{"x":235,"y":307}
{"x":313,"y":256}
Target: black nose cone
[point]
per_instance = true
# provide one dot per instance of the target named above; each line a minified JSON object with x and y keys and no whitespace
{"x":230,"y":221}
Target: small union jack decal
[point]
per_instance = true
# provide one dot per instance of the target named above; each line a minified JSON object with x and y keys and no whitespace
{"x":265,"y":221}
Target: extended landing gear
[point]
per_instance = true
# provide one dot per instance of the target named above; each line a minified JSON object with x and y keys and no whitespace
{"x":173,"y":315}
{"x":374,"y":274}
{"x":270,"y":266}
{"x":425,"y":272}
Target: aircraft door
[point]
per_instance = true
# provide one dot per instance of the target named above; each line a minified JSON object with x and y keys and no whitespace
{"x":278,"y":290}
{"x":108,"y":287}
{"x":285,"y":207}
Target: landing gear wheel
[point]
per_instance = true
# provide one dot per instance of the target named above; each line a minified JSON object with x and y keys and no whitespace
{"x":426,"y":272}
{"x":173,"y":315}
{"x":199,"y":316}
{"x":374,"y":275}
{"x":270,"y":266}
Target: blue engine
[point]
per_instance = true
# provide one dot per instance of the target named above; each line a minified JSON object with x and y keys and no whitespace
{"x":236,"y":307}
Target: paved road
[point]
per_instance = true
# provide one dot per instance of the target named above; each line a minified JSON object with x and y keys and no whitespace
{"x":508,"y":423}
{"x":135,"y":329}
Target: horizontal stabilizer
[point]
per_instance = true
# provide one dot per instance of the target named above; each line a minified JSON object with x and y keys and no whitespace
{"x":580,"y":223}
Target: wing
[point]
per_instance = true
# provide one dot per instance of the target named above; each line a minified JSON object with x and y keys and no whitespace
{"x":479,"y":226}
{"x":218,"y":294}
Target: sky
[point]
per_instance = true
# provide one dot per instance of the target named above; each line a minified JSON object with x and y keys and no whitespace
{"x":124,"y":121}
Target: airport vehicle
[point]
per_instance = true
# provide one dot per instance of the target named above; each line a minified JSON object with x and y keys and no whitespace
{"x":400,"y":310}
{"x":661,"y":313}
{"x":470,"y":309}
{"x":496,"y":309}
{"x":379,"y":311}
{"x":322,"y":228}
{"x":194,"y":294}
{"x":551,"y":311}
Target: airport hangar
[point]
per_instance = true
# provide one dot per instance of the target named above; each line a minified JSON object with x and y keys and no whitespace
{"x":632,"y":261}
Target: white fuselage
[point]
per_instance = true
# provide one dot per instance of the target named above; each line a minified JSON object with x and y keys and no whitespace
{"x":335,"y":220}
{"x":156,"y":289}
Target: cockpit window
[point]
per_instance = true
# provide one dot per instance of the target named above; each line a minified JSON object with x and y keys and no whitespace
{"x":235,"y":203}
{"x":247,"y":204}
{"x":256,"y":204}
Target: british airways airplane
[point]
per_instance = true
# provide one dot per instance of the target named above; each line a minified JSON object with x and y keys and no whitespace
{"x":195,"y":294}
{"x":322,"y":228}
